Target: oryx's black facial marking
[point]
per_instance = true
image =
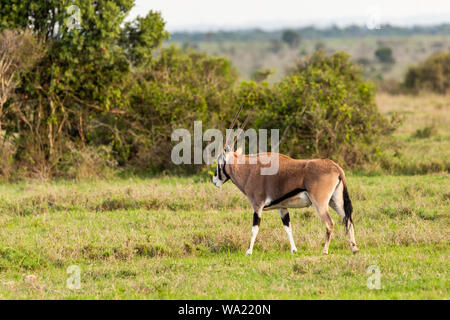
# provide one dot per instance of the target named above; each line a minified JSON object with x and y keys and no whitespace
{"x":286,"y":220}
{"x":256,"y":219}
{"x":286,"y":196}
{"x":221,"y":174}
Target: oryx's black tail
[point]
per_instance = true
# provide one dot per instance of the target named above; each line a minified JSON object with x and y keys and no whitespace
{"x":348,"y":208}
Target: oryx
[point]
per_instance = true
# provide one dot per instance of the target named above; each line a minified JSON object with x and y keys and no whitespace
{"x":297,"y":184}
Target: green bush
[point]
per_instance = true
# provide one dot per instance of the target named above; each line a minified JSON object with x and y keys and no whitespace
{"x":178,"y":89}
{"x":433,"y":74}
{"x":77,"y":85}
{"x":323,"y":109}
{"x":425,"y":132}
{"x":384,"y":55}
{"x":291,"y":37}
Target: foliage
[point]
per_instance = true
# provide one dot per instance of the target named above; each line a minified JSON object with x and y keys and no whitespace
{"x":433,"y":74}
{"x":79,"y":79}
{"x":262,"y":74}
{"x":105,"y":95}
{"x":291,"y":37}
{"x":384,"y":55}
{"x":323,"y":109}
{"x":179,"y":89}
{"x":19,"y":51}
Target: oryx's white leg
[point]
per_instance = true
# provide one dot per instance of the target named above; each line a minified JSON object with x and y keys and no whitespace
{"x":284,"y":214}
{"x":255,"y":229}
{"x":337,"y":203}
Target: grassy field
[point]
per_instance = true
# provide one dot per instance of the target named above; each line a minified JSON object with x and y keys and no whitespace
{"x":180,"y":237}
{"x":422,"y":142}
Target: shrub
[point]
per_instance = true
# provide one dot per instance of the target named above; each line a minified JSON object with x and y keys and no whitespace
{"x":291,"y":37}
{"x":77,"y":86}
{"x":425,"y":132}
{"x":178,"y":89}
{"x":433,"y":74}
{"x":323,"y":109}
{"x":91,"y":161}
{"x":384,"y":55}
{"x":261,"y":74}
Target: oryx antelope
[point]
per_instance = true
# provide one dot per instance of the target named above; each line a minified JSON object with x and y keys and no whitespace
{"x":297,"y":184}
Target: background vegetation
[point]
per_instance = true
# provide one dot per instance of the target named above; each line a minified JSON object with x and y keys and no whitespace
{"x":251,"y":53}
{"x":106,"y":96}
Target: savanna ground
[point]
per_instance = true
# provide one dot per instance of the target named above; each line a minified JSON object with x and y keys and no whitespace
{"x":180,"y":237}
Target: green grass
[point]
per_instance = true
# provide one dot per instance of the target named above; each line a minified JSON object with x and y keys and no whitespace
{"x":174,"y":238}
{"x":180,"y":237}
{"x":422,"y":144}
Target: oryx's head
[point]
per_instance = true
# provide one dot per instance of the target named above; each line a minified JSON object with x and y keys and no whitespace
{"x":221,"y":175}
{"x":227,"y":155}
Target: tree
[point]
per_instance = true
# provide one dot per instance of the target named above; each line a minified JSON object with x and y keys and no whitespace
{"x":82,"y":75}
{"x":291,"y":37}
{"x":181,"y":87}
{"x":384,"y":55}
{"x":18,"y":52}
{"x":433,"y":74}
{"x":261,"y":74}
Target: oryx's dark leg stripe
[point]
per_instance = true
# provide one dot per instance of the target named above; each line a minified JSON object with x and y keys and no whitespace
{"x":286,"y":196}
{"x":256,"y":219}
{"x":286,"y":220}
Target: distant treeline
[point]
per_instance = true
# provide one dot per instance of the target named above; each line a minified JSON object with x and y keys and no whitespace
{"x":309,"y":32}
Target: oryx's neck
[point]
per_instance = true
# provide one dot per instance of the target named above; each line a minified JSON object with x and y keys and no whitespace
{"x":237,"y":174}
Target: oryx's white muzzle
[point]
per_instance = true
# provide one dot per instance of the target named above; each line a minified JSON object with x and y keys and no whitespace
{"x":217,"y":182}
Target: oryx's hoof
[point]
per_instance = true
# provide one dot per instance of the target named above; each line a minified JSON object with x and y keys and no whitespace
{"x":355,"y":251}
{"x":249,"y":252}
{"x":325,"y":253}
{"x":293,"y":251}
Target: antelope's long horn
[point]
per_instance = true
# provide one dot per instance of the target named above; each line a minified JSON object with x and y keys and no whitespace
{"x":242,"y":128}
{"x":232,"y":125}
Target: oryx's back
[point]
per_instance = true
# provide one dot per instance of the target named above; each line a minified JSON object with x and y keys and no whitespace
{"x":293,"y":175}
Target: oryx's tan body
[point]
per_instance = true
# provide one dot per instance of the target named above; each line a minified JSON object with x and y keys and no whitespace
{"x":296,"y":184}
{"x":318,"y":177}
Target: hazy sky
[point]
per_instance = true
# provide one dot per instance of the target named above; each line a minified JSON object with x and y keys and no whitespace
{"x":275,"y":14}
